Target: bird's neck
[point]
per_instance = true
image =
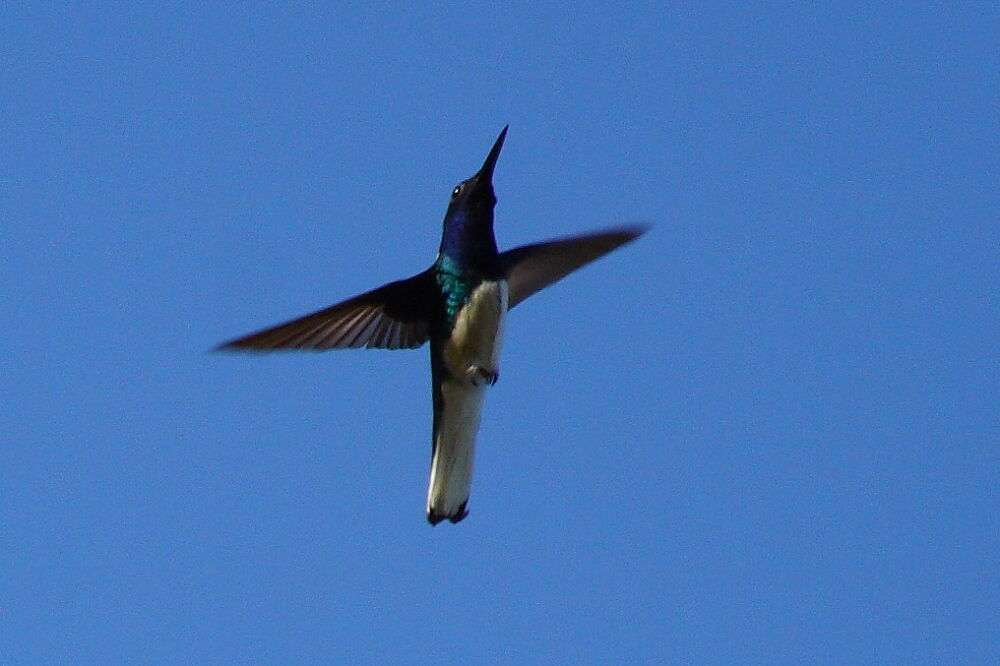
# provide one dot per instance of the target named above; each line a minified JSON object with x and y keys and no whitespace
{"x":469,"y":246}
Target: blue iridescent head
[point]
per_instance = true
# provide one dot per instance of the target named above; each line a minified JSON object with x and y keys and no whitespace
{"x":468,"y":224}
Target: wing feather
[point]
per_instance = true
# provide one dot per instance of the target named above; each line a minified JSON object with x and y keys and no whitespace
{"x":394,"y":316}
{"x":531,"y":268}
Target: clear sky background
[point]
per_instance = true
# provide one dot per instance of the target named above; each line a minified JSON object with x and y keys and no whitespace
{"x":767,"y":432}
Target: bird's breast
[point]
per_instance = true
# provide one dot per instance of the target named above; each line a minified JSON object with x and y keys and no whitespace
{"x":477,"y":335}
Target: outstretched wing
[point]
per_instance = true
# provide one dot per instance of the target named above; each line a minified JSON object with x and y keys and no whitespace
{"x":394,"y":316}
{"x":531,"y":268}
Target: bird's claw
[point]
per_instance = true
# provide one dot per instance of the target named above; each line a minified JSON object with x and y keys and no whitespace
{"x":479,"y":374}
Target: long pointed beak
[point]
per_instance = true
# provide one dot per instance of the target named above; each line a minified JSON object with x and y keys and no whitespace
{"x":486,"y":172}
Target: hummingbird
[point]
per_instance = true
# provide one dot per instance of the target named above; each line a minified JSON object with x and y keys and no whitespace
{"x":460,"y":305}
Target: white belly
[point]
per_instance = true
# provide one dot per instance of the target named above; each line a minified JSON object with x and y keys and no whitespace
{"x":477,"y":336}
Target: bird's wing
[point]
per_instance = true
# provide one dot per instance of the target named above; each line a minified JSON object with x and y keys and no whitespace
{"x":531,"y":268}
{"x":394,"y":316}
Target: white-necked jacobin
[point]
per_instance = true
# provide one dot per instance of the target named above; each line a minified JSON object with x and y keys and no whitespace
{"x":459,"y":304}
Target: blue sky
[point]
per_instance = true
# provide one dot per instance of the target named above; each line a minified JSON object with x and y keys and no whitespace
{"x":765,"y":433}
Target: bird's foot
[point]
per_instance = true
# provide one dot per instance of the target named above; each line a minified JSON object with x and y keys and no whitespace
{"x":478,"y":374}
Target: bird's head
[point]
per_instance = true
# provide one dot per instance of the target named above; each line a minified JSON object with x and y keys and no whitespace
{"x":468,"y":224}
{"x":476,"y":195}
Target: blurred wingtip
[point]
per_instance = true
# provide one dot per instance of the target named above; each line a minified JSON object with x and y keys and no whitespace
{"x":233,"y":347}
{"x":635,"y":229}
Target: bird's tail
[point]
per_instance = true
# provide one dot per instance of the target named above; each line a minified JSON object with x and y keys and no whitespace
{"x":454,"y":450}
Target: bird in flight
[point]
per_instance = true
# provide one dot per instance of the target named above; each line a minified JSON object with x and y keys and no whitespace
{"x":459,"y":304}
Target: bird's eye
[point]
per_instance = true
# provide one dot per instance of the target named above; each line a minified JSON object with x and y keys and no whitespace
{"x":454,"y":192}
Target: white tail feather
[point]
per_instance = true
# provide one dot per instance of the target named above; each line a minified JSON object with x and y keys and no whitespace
{"x":454,"y":450}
